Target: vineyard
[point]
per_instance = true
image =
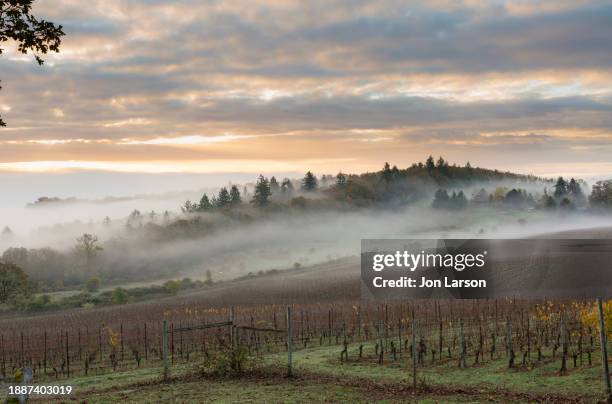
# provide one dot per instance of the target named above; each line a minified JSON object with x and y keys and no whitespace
{"x":464,"y":334}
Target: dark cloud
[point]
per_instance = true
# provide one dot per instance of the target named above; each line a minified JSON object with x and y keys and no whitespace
{"x":151,"y":68}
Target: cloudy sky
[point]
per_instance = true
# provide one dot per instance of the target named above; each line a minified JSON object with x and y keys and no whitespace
{"x":148,"y":86}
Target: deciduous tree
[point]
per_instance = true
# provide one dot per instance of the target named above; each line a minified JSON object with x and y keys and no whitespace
{"x":31,"y":34}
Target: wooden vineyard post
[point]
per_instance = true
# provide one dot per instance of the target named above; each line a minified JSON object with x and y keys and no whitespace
{"x":604,"y":350}
{"x":289,"y":344}
{"x":67,"y":355}
{"x":100,"y":343}
{"x":2,"y":367}
{"x":121,"y":336}
{"x":462,"y":344}
{"x":529,"y":342}
{"x":562,"y":333}
{"x":414,"y":380}
{"x":146,"y":347}
{"x":79,"y":342}
{"x":509,"y":346}
{"x":231,"y":327}
{"x":165,"y":348}
{"x":329,"y":326}
{"x":45,"y":354}
{"x":359,"y":321}
{"x":172,"y":343}
{"x":399,"y":335}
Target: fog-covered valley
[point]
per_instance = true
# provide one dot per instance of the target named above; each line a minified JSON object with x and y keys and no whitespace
{"x":149,"y":237}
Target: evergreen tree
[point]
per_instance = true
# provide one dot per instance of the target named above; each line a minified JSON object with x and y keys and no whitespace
{"x":560,"y":188}
{"x":235,"y":198}
{"x":287,"y":188}
{"x":187,"y":207}
{"x":480,"y":197}
{"x":441,"y":199}
{"x":7,"y":232}
{"x":224,"y":198}
{"x":514,"y":198}
{"x":460,"y":201}
{"x":573,"y":188}
{"x":135,"y":218}
{"x":274,"y":187}
{"x":429,"y":164}
{"x":575,"y":192}
{"x":441,"y":163}
{"x":340,"y":180}
{"x":205,"y":204}
{"x":601,"y":195}
{"x":309,"y":182}
{"x":325,"y":179}
{"x":261,"y":195}
{"x":387,"y":175}
{"x":566,"y":204}
{"x":547,"y":201}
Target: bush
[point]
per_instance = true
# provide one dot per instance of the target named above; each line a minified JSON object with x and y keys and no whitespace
{"x":92,"y":285}
{"x":120,"y":296}
{"x":32,"y":303}
{"x":172,"y":287}
{"x":227,"y":361}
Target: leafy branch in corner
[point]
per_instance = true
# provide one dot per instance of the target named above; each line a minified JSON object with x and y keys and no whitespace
{"x":30,"y":33}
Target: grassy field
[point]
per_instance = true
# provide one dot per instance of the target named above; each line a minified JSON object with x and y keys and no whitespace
{"x":320,"y":376}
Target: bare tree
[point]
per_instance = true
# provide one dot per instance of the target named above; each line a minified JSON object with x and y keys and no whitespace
{"x":87,"y":245}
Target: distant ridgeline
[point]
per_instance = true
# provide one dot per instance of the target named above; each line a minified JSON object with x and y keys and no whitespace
{"x":44,"y":200}
{"x":434,"y":184}
{"x":50,"y":201}
{"x":387,"y":187}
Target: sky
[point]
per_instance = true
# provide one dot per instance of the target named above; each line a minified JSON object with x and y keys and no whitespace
{"x":243,"y":86}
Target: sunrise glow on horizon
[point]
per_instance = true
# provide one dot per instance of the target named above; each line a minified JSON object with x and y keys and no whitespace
{"x":282,"y":85}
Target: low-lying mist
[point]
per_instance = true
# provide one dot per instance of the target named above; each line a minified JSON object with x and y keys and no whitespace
{"x":148,"y":238}
{"x":233,"y":248}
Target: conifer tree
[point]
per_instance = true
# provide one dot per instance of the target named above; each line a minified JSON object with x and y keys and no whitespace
{"x":460,"y":201}
{"x":441,"y":199}
{"x":340,"y":180}
{"x":274,"y":187}
{"x":224,"y":198}
{"x":204,"y":204}
{"x":286,"y":188}
{"x":560,"y":188}
{"x":235,"y":198}
{"x":261,"y":195}
{"x":429,"y":164}
{"x":309,"y":182}
{"x":386,"y":173}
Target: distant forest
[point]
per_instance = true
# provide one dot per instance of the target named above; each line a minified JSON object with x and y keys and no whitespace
{"x":433,"y":184}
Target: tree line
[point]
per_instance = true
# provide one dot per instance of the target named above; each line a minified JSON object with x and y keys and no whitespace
{"x":567,"y":195}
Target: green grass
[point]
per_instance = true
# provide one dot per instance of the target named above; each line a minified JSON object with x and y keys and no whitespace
{"x":542,"y":379}
{"x":321,"y":377}
{"x":241,"y":391}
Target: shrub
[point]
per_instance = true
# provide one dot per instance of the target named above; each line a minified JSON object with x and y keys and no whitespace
{"x":228,"y":361}
{"x":92,"y":285}
{"x":120,"y":296}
